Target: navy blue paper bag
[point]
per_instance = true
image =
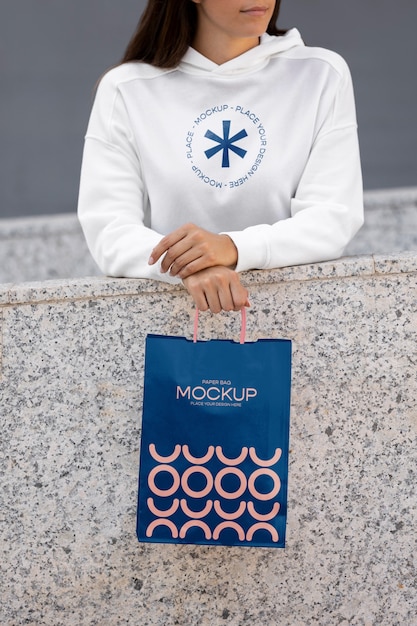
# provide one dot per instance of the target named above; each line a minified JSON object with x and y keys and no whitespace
{"x":214,"y":448}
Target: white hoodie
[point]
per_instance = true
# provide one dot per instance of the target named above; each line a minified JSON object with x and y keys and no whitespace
{"x":263,"y":148}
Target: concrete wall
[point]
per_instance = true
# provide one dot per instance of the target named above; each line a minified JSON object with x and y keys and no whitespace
{"x":43,"y":248}
{"x":390,"y":223}
{"x":71,"y":382}
{"x":52,"y":53}
{"x":48,"y":247}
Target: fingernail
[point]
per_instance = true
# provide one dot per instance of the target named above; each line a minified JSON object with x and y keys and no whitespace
{"x":151,"y":260}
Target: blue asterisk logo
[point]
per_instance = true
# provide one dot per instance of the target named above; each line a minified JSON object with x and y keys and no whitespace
{"x":225,"y":143}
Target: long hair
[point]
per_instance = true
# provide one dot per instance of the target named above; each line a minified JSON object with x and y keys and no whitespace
{"x":166,"y":30}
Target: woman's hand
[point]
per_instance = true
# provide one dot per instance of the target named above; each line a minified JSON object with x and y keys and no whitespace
{"x":218,"y":289}
{"x":190,"y":249}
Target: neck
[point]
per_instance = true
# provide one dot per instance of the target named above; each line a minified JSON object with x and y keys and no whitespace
{"x":222,"y":52}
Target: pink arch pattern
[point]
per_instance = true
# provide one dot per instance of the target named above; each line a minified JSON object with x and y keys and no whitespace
{"x":164,"y":459}
{"x":167,"y":513}
{"x":188,"y":525}
{"x":223,"y":525}
{"x":265,"y":517}
{"x":229,"y":516}
{"x":264,"y":496}
{"x":261,"y":525}
{"x":162,"y":522}
{"x":197,"y":460}
{"x":267,"y":462}
{"x":242,"y":456}
{"x":196,"y":514}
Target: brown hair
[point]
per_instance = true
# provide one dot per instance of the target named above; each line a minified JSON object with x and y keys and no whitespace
{"x":167,"y":29}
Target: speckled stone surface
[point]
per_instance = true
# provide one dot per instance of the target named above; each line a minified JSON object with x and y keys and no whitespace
{"x":71,"y":390}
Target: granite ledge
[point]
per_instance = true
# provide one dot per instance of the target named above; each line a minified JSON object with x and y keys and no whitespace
{"x":78,"y":289}
{"x":404,"y":263}
{"x":105,"y":287}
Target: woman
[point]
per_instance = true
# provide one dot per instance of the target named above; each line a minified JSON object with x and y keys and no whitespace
{"x":220,"y":144}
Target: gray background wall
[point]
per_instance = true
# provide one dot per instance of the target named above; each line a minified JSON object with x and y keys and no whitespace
{"x":53,"y":51}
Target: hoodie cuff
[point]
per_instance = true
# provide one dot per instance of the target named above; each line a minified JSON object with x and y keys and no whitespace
{"x":251,"y":250}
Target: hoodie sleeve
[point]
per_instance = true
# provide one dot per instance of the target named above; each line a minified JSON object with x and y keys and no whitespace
{"x":112,"y":201}
{"x":327,"y":208}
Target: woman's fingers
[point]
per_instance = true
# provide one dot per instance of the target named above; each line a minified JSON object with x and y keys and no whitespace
{"x":172,"y":245}
{"x":239,"y":293}
{"x":199,"y":251}
{"x":217,"y":289}
{"x":203,"y":288}
{"x":190,"y":249}
{"x":200,"y":300}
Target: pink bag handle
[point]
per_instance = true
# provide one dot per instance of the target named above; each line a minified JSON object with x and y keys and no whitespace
{"x":242,"y":328}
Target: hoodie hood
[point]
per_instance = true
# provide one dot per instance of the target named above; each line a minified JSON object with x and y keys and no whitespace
{"x":270,"y":46}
